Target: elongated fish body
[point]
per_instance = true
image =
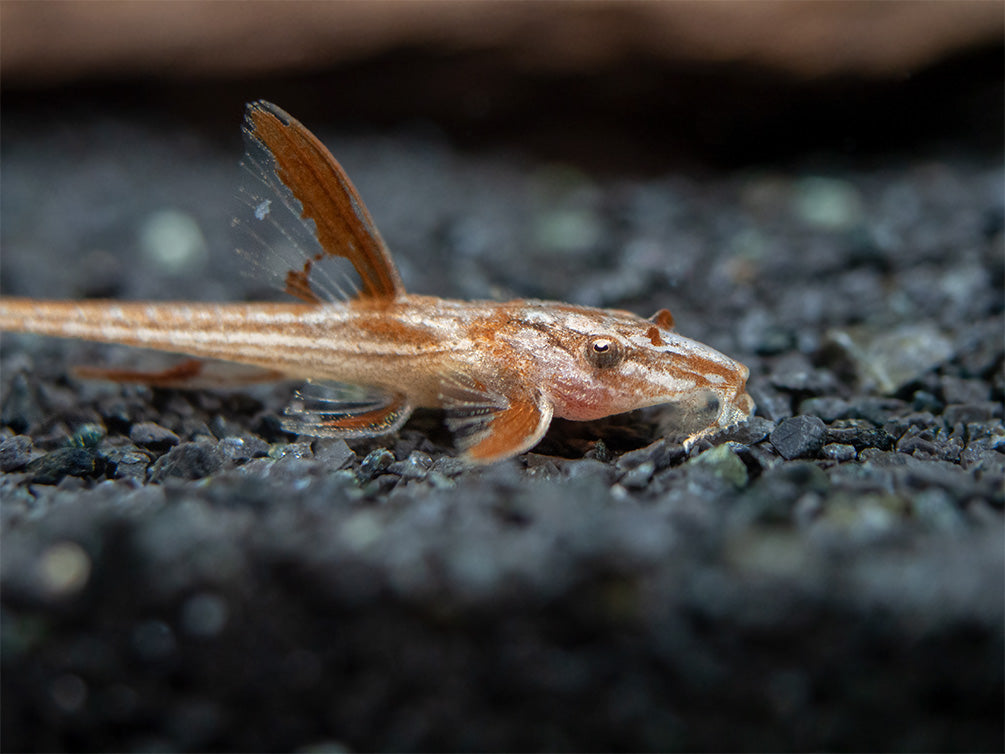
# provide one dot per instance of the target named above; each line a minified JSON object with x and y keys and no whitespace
{"x":502,"y":370}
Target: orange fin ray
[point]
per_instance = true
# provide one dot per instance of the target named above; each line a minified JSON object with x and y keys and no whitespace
{"x":191,"y":374}
{"x":336,"y":410}
{"x":663,"y":319}
{"x":490,"y":426}
{"x":343,"y":225}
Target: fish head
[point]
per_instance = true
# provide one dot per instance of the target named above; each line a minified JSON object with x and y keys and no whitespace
{"x":598,"y":362}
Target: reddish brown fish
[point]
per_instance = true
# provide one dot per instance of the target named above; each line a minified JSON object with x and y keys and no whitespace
{"x":501,"y":370}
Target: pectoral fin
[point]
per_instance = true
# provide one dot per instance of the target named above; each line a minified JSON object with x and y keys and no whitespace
{"x":490,"y":426}
{"x":346,"y":411}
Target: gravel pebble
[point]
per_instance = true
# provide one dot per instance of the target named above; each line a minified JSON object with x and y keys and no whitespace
{"x":828,"y":407}
{"x":128,"y":462}
{"x":88,"y":436}
{"x":291,"y":450}
{"x":335,"y":454}
{"x":190,"y":460}
{"x":935,"y":508}
{"x":859,"y":434}
{"x":774,"y":495}
{"x":827,"y":203}
{"x":799,"y":437}
{"x":638,"y":477}
{"x":755,"y":429}
{"x":930,"y":443}
{"x":243,"y":448}
{"x":892,"y":358}
{"x":973,"y":413}
{"x":926,"y":401}
{"x":838,"y":452}
{"x":21,"y":408}
{"x":153,"y":436}
{"x":771,"y":404}
{"x":660,"y":454}
{"x":590,"y":469}
{"x":959,"y":390}
{"x":794,"y":373}
{"x":15,"y":452}
{"x":376,"y":462}
{"x":723,"y":462}
{"x":811,"y":582}
{"x":58,"y":464}
{"x":416,"y":466}
{"x":875,"y":410}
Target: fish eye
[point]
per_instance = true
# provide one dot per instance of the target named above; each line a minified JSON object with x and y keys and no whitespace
{"x":603,"y":352}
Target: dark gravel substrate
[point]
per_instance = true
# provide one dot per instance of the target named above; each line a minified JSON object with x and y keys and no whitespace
{"x":178,"y":574}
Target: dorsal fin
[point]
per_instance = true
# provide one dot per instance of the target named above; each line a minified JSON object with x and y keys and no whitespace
{"x":327,"y":196}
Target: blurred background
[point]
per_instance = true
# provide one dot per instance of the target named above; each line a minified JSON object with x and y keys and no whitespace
{"x":814,"y":188}
{"x":479,"y":132}
{"x":609,"y":83}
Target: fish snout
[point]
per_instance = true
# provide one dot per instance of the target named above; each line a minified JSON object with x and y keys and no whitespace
{"x":739,"y":405}
{"x":742,"y":407}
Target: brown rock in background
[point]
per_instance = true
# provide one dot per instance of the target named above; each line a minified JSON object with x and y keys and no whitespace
{"x":60,"y":42}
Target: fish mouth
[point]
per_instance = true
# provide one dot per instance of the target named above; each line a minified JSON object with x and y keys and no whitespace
{"x":704,"y":411}
{"x":740,"y":405}
{"x":739,"y":408}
